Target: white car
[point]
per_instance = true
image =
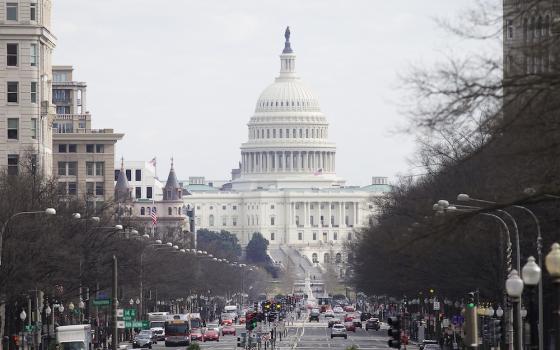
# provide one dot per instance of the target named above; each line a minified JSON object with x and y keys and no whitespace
{"x":214,"y":326}
{"x":338,"y":310}
{"x":339,"y":330}
{"x":329,"y":313}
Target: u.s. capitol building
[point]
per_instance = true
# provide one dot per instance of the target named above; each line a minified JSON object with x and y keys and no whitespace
{"x":286,"y":187}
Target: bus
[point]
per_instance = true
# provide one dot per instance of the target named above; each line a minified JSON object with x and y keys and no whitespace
{"x":177,"y":330}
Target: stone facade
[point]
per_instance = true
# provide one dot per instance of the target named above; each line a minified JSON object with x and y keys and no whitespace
{"x":26,"y":111}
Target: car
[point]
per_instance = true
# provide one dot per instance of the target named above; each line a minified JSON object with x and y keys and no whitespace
{"x":348,"y":318}
{"x":430,"y":343}
{"x":314,"y":315}
{"x":227,"y":322}
{"x":228,"y":329}
{"x":142,"y":341}
{"x":338,"y":330}
{"x":196,"y":335}
{"x":150,"y":333}
{"x":373,"y":323}
{"x":333,"y":322}
{"x":160,"y":333}
{"x":241,"y":320}
{"x":338,"y":310}
{"x":214,"y":326}
{"x":329,"y":313}
{"x":349,"y":308}
{"x":357,"y":322}
{"x":350,"y":327}
{"x":211,"y":334}
{"x":364,"y":316}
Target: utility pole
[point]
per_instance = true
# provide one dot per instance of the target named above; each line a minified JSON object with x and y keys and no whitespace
{"x":114,"y":338}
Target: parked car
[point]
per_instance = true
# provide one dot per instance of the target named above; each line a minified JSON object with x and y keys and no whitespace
{"x":314,"y":315}
{"x":373,"y":323}
{"x":211,"y":334}
{"x":350,"y":326}
{"x":229,"y":329}
{"x":196,"y":334}
{"x":338,"y":330}
{"x":142,"y":341}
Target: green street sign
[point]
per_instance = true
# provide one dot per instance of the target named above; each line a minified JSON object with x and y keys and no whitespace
{"x":136,"y":324}
{"x":130,"y":313}
{"x":128,"y":318}
{"x":101,"y":302}
{"x":29,"y":328}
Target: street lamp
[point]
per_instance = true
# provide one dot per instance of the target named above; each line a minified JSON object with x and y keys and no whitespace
{"x":531,"y":275}
{"x":552,"y":263}
{"x":48,"y":211}
{"x":22,"y":317}
{"x":131,"y":301}
{"x":499,"y":312}
{"x":514,"y":288}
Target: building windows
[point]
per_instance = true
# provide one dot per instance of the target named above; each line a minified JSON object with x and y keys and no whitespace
{"x":169,"y":211}
{"x":346,"y":220}
{"x":297,"y":205}
{"x":211,"y":220}
{"x":224,"y":220}
{"x":138,"y":192}
{"x":11,"y":11}
{"x":234,"y":221}
{"x":311,"y":220}
{"x":267,"y":133}
{"x":326,"y":258}
{"x":72,"y":188}
{"x":12,"y":55}
{"x":211,"y":207}
{"x":33,"y":55}
{"x":60,"y":96}
{"x":272,"y":219}
{"x":149,"y":192}
{"x":287,"y":133}
{"x":13,"y":128}
{"x":99,"y":188}
{"x":142,"y":211}
{"x":280,"y":133}
{"x":335,"y":236}
{"x":297,"y":220}
{"x":325,"y":237}
{"x":13,"y":91}
{"x":223,"y":207}
{"x":509,"y":28}
{"x":62,"y":148}
{"x":314,"y":258}
{"x":89,"y":166}
{"x":90,"y":187}
{"x":128,"y":173}
{"x":306,"y":133}
{"x":272,"y":236}
{"x":67,"y":168}
{"x":332,"y":220}
{"x":33,"y":92}
{"x":33,"y":128}
{"x":100,"y":149}
{"x":272,"y":206}
{"x":72,"y":148}
{"x":89,"y":149}
{"x":314,"y":236}
{"x":13,"y":164}
{"x":138,"y":175}
{"x":33,"y":11}
{"x":234,"y":207}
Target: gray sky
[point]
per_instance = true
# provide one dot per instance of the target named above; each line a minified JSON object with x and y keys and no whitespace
{"x":181,"y":78}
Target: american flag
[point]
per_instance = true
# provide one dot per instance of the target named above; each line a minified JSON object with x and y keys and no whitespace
{"x":154,"y":217}
{"x":153,"y":162}
{"x":318,"y":172}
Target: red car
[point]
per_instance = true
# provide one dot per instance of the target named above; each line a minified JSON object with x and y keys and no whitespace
{"x":227,"y":322}
{"x":348,"y":318}
{"x":211,"y":334}
{"x":241,"y":319}
{"x":196,"y":335}
{"x":349,"y":308}
{"x":228,"y":329}
{"x":350,"y":327}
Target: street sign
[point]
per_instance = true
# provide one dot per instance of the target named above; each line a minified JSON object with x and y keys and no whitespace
{"x":130,"y":313}
{"x":120,"y":324}
{"x":101,"y":302}
{"x":29,"y":328}
{"x":120,"y":312}
{"x":436,"y":306}
{"x":136,"y":324}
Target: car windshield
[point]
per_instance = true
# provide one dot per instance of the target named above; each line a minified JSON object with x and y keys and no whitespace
{"x":212,"y":325}
{"x":176,"y":329}
{"x":73,"y":345}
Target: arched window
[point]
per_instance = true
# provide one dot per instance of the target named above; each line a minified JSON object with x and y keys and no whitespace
{"x":142,"y":211}
{"x":149,"y":210}
{"x":273,"y":133}
{"x":280,"y":133}
{"x":294,"y":134}
{"x":211,"y":220}
{"x":326,"y":258}
{"x":315,"y":258}
{"x":335,"y":236}
{"x":338,"y":258}
{"x":262,"y":133}
{"x":297,"y":220}
{"x":169,"y":211}
{"x":525,"y":29}
{"x":539,"y":28}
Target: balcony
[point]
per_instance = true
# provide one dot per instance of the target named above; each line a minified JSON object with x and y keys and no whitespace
{"x":77,"y":117}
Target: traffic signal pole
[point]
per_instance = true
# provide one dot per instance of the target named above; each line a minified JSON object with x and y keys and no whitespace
{"x":115,"y":336}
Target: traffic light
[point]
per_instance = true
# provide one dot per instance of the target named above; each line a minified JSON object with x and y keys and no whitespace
{"x":496,"y":331}
{"x":251,"y":321}
{"x":394,"y":332}
{"x":471,"y":325}
{"x":278,"y":306}
{"x":487,"y":334}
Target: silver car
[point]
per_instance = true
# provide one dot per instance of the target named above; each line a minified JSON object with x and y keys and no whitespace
{"x":338,"y":330}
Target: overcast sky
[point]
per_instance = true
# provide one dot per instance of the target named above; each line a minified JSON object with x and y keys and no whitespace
{"x":181,"y":78}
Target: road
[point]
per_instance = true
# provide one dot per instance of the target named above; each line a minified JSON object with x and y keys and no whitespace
{"x":305,"y":335}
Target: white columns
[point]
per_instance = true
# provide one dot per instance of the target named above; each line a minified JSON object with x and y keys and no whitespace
{"x":343,"y":221}
{"x":357,"y":214}
{"x":340,"y":219}
{"x":305,"y":214}
{"x":329,"y":214}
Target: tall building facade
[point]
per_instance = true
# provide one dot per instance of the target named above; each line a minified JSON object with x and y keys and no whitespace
{"x":83,"y":157}
{"x":26,"y":110}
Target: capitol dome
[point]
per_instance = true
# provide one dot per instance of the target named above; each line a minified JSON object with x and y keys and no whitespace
{"x":288,"y":144}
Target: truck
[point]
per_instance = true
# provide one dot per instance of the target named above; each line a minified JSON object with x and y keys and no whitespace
{"x":157,"y":323}
{"x":75,"y":337}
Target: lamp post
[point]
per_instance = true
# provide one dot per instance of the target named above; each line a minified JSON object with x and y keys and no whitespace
{"x":22,"y":317}
{"x":71,"y":308}
{"x":48,"y":211}
{"x":552,"y":263}
{"x":48,"y":312}
{"x":531,"y":275}
{"x":514,"y":288}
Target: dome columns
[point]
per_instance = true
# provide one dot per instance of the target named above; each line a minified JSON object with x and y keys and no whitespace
{"x":288,"y":162}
